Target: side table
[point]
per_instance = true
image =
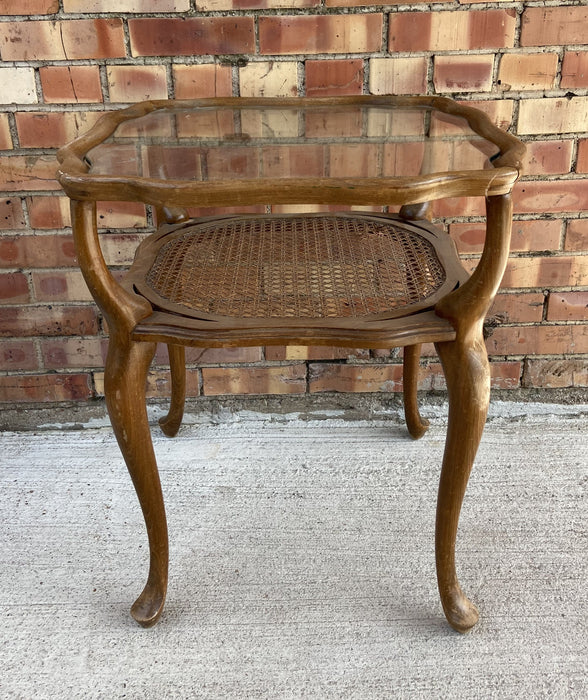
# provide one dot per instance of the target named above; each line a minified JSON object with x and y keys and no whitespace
{"x":357,"y":278}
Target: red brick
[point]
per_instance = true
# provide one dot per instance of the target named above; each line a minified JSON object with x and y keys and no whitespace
{"x":505,"y":375}
{"x":29,"y":7}
{"x":334,"y":77}
{"x":14,"y":288}
{"x":18,"y":355}
{"x":44,"y":129}
{"x":568,"y":306}
{"x":50,"y":286}
{"x":225,"y":163}
{"x":48,"y":212}
{"x":191,"y":36}
{"x":112,"y":215}
{"x":359,"y":160}
{"x":316,"y":352}
{"x":159,"y":384}
{"x":320,"y":34}
{"x":25,"y":321}
{"x":518,"y":308}
{"x":536,"y":235}
{"x":463,"y":73}
{"x":574,"y":72}
{"x":22,"y":173}
{"x":431,"y":377}
{"x":73,"y":353}
{"x":137,"y":83}
{"x":498,"y":111}
{"x":60,"y":285}
{"x":179,"y":162}
{"x":553,"y":115}
{"x":52,"y":129}
{"x":212,"y":356}
{"x":216,"y":5}
{"x":354,"y":378}
{"x":11,"y":213}
{"x":208,"y":80}
{"x":553,"y":374}
{"x":211,"y":125}
{"x":458,"y":206}
{"x":526,"y":235}
{"x":70,"y":84}
{"x":29,"y":41}
{"x":582,"y":164}
{"x":577,"y":235}
{"x":209,"y":356}
{"x":5,"y":136}
{"x":538,"y":340}
{"x":288,"y":379}
{"x":304,"y":160}
{"x":451,"y":31}
{"x":45,"y":387}
{"x":53,"y":212}
{"x":398,"y":76}
{"x":550,"y":196}
{"x":339,"y":124}
{"x":71,"y":39}
{"x":126,"y":5}
{"x":37,"y":251}
{"x":552,"y":271}
{"x":533,"y":71}
{"x":548,"y":157}
{"x":403,"y":159}
{"x":93,"y":38}
{"x":554,"y":26}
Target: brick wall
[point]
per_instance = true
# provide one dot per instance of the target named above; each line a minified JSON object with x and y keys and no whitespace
{"x":64,"y":61}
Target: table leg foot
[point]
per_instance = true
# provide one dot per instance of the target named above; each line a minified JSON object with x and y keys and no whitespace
{"x":147,"y":609}
{"x":124,"y":387}
{"x":170,"y":424}
{"x":467,"y":372}
{"x":416,"y":424}
{"x":459,"y":610}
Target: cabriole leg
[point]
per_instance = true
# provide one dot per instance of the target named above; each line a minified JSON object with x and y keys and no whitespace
{"x":466,"y":368}
{"x":124,"y":386}
{"x":416,"y":424}
{"x":170,"y":424}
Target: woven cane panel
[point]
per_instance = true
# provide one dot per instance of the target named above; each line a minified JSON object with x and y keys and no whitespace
{"x":296,"y":266}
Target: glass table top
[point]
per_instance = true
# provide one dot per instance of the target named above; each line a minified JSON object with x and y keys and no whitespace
{"x":362,"y":150}
{"x":219,"y":143}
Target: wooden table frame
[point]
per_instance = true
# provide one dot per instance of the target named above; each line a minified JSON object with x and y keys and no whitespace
{"x":454,"y":324}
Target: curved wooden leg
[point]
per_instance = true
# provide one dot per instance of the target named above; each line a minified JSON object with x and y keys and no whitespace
{"x":170,"y":424}
{"x":416,"y":424}
{"x":467,"y":372}
{"x":124,"y":386}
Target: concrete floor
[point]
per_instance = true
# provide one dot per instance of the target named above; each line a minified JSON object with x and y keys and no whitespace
{"x":301,"y":562}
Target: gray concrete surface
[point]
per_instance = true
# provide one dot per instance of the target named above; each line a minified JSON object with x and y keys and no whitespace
{"x":301,"y":561}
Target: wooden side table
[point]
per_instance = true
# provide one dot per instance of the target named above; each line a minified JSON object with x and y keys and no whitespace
{"x":335,"y":277}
